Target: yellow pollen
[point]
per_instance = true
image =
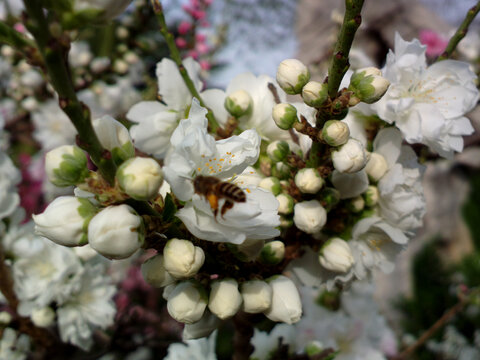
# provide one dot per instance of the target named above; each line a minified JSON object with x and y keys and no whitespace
{"x":222,"y":159}
{"x":199,"y":169}
{"x":247,"y":190}
{"x":207,"y":164}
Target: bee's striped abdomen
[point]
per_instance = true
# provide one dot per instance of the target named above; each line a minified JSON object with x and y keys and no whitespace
{"x":231,"y":191}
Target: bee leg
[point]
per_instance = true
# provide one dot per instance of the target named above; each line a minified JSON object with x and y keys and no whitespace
{"x":226,"y":206}
{"x":213,"y":201}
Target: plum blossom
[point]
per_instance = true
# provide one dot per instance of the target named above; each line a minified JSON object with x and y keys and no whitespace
{"x":195,"y":349}
{"x":155,"y":122}
{"x":260,"y":118}
{"x":428,"y":104}
{"x":195,"y":152}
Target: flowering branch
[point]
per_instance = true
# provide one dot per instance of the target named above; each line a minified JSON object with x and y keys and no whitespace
{"x":54,"y":55}
{"x":460,"y":33}
{"x":175,"y":54}
{"x":339,"y":65}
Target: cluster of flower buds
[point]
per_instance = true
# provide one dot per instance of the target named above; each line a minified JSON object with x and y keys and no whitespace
{"x":112,"y":228}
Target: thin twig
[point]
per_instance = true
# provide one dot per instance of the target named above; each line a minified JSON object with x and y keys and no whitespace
{"x":446,"y":317}
{"x":176,"y":57}
{"x":55,"y":59}
{"x":339,"y":64}
{"x":241,"y":338}
{"x":19,"y":43}
{"x":460,"y":33}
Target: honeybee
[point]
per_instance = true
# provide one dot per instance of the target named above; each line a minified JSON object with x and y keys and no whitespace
{"x":214,"y":189}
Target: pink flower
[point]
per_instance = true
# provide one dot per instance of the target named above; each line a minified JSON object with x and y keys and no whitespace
{"x":200,"y":37}
{"x":436,"y":44}
{"x":184,"y":27}
{"x":193,"y":54}
{"x":205,"y":65}
{"x":181,"y":42}
{"x":20,"y":28}
{"x":202,"y":48}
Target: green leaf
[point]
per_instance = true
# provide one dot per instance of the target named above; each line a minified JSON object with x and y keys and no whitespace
{"x":169,"y":209}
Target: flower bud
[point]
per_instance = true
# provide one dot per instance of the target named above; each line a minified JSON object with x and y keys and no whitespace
{"x":368,"y":85}
{"x":278,"y":150}
{"x":285,"y":222}
{"x":314,"y":348}
{"x":140,"y":178}
{"x":238,"y":103}
{"x":167,"y":290}
{"x":330,"y":197}
{"x":43,"y":317}
{"x":65,"y":220}
{"x":5,"y":318}
{"x":308,"y":180}
{"x":286,"y":305}
{"x":285,"y":204}
{"x":350,"y":157}
{"x":271,"y":184}
{"x":284,"y":115}
{"x":202,"y":328}
{"x":257,"y":296}
{"x":100,"y":64}
{"x":309,"y":216}
{"x":335,"y":132}
{"x":114,"y":137}
{"x":281,"y":170}
{"x":336,"y":255}
{"x":182,"y":259}
{"x":371,"y":196}
{"x":225,"y":299}
{"x":376,"y":166}
{"x":187,"y":302}
{"x":66,"y":165}
{"x":356,"y":204}
{"x":315,"y":94}
{"x":116,"y":232}
{"x":292,"y":75}
{"x":154,"y":273}
{"x":273,"y":252}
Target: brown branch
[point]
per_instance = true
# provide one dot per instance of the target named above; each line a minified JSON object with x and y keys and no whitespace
{"x":241,"y":339}
{"x":446,"y":317}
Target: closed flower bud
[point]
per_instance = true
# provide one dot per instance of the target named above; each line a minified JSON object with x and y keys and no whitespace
{"x":281,"y":170}
{"x":238,"y":103}
{"x":356,"y":204}
{"x":65,"y":221}
{"x":308,"y":180}
{"x":271,"y":184}
{"x":376,"y":166}
{"x":187,"y":302}
{"x":284,"y":115}
{"x":273,"y":252}
{"x":350,"y":158}
{"x":5,"y":318}
{"x":43,"y":317}
{"x":114,"y":137}
{"x":335,"y":132}
{"x":257,"y":296}
{"x":116,"y":232}
{"x":309,"y":216}
{"x":292,"y":75}
{"x":315,"y":94}
{"x":167,"y":290}
{"x":66,"y":165}
{"x":336,"y":255}
{"x":182,"y":259}
{"x":225,"y":299}
{"x":368,"y":85}
{"x":330,"y":197}
{"x":285,"y":204}
{"x":371,"y":196}
{"x":314,"y":348}
{"x":202,"y":328}
{"x":286,"y":304}
{"x":278,"y":150}
{"x":154,"y":273}
{"x":140,"y":178}
{"x":99,"y":65}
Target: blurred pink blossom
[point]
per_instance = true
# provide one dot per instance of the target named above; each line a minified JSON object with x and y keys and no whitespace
{"x":181,"y":42}
{"x":184,"y":27}
{"x":435,"y":42}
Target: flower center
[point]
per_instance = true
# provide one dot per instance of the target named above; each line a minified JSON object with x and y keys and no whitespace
{"x":215,"y":165}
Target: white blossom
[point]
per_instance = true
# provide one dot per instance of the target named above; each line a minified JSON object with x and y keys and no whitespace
{"x":201,"y":349}
{"x":286,"y":305}
{"x":225,"y":298}
{"x":428,"y":104}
